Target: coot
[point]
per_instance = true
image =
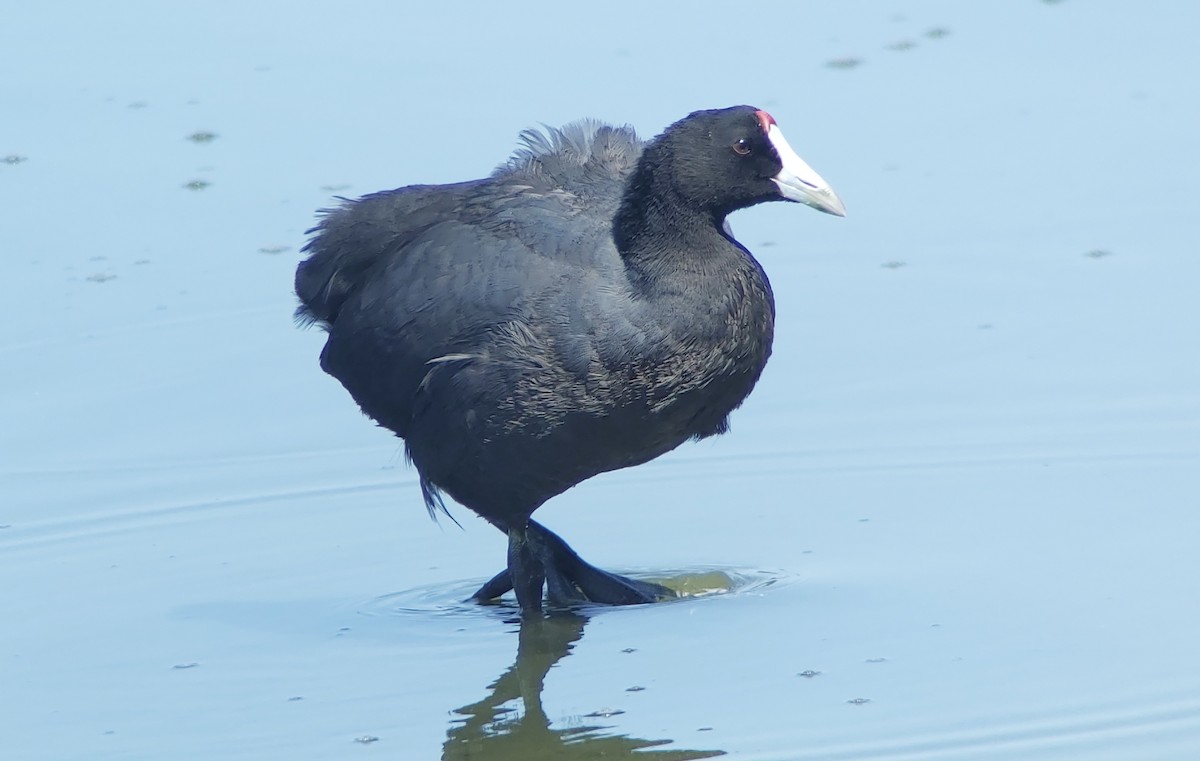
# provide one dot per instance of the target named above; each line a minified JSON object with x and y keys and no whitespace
{"x":583,"y":309}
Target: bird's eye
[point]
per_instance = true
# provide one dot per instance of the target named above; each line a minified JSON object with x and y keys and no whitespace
{"x":742,"y":147}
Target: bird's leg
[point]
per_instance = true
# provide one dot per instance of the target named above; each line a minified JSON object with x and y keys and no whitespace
{"x":561,"y":591}
{"x":570,"y":579}
{"x":498,"y":585}
{"x":596,"y":585}
{"x":525,"y":570}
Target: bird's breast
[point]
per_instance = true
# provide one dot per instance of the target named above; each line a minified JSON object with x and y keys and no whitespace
{"x":710,"y":362}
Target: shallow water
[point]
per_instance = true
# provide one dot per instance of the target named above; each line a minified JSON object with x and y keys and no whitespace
{"x":956,"y":520}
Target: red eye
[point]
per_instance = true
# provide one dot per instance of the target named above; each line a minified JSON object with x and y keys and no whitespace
{"x":742,"y":147}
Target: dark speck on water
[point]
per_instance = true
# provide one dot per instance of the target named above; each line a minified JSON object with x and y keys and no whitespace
{"x":809,"y":674}
{"x":13,"y":158}
{"x":848,"y":62}
{"x":202,"y":137}
{"x":937,"y":33}
{"x":196,"y":184}
{"x":1098,"y":253}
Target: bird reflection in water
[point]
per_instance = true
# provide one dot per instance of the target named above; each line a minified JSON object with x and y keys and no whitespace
{"x":493,"y":729}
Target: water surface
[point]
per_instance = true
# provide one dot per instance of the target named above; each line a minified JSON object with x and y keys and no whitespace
{"x":970,"y":473}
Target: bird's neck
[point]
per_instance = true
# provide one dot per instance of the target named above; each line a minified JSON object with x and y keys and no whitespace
{"x":664,"y":240}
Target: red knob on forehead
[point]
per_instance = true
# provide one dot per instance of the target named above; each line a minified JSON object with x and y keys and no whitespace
{"x":765,"y":119}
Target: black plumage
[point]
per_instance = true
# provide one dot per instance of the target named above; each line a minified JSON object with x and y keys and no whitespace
{"x":583,"y":309}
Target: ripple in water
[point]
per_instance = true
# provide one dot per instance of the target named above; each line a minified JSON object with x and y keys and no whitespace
{"x":450,"y":599}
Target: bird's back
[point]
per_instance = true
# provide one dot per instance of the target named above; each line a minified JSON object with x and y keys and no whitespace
{"x":555,"y":196}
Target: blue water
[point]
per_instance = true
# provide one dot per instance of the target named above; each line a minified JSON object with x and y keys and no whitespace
{"x":970,"y":473}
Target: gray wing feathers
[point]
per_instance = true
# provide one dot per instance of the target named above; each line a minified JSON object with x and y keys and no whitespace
{"x":352,"y":238}
{"x":556,"y":175}
{"x":571,"y":155}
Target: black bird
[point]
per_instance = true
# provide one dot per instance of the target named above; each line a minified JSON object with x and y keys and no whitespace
{"x":583,"y":309}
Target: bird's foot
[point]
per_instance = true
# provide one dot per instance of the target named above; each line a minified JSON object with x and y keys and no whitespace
{"x":538,"y":556}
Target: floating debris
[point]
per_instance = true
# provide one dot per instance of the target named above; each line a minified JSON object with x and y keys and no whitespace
{"x":14,"y":159}
{"x":858,"y":701}
{"x":843,"y":63}
{"x":182,"y":666}
{"x":629,"y":650}
{"x":938,"y":33}
{"x":1098,"y":253}
{"x":366,"y":739}
{"x":196,"y":184}
{"x":634,"y":689}
{"x":100,"y":277}
{"x":294,"y":698}
{"x":603,"y":713}
{"x":876,"y":660}
{"x":809,"y":674}
{"x":894,"y":264}
{"x":202,"y":137}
